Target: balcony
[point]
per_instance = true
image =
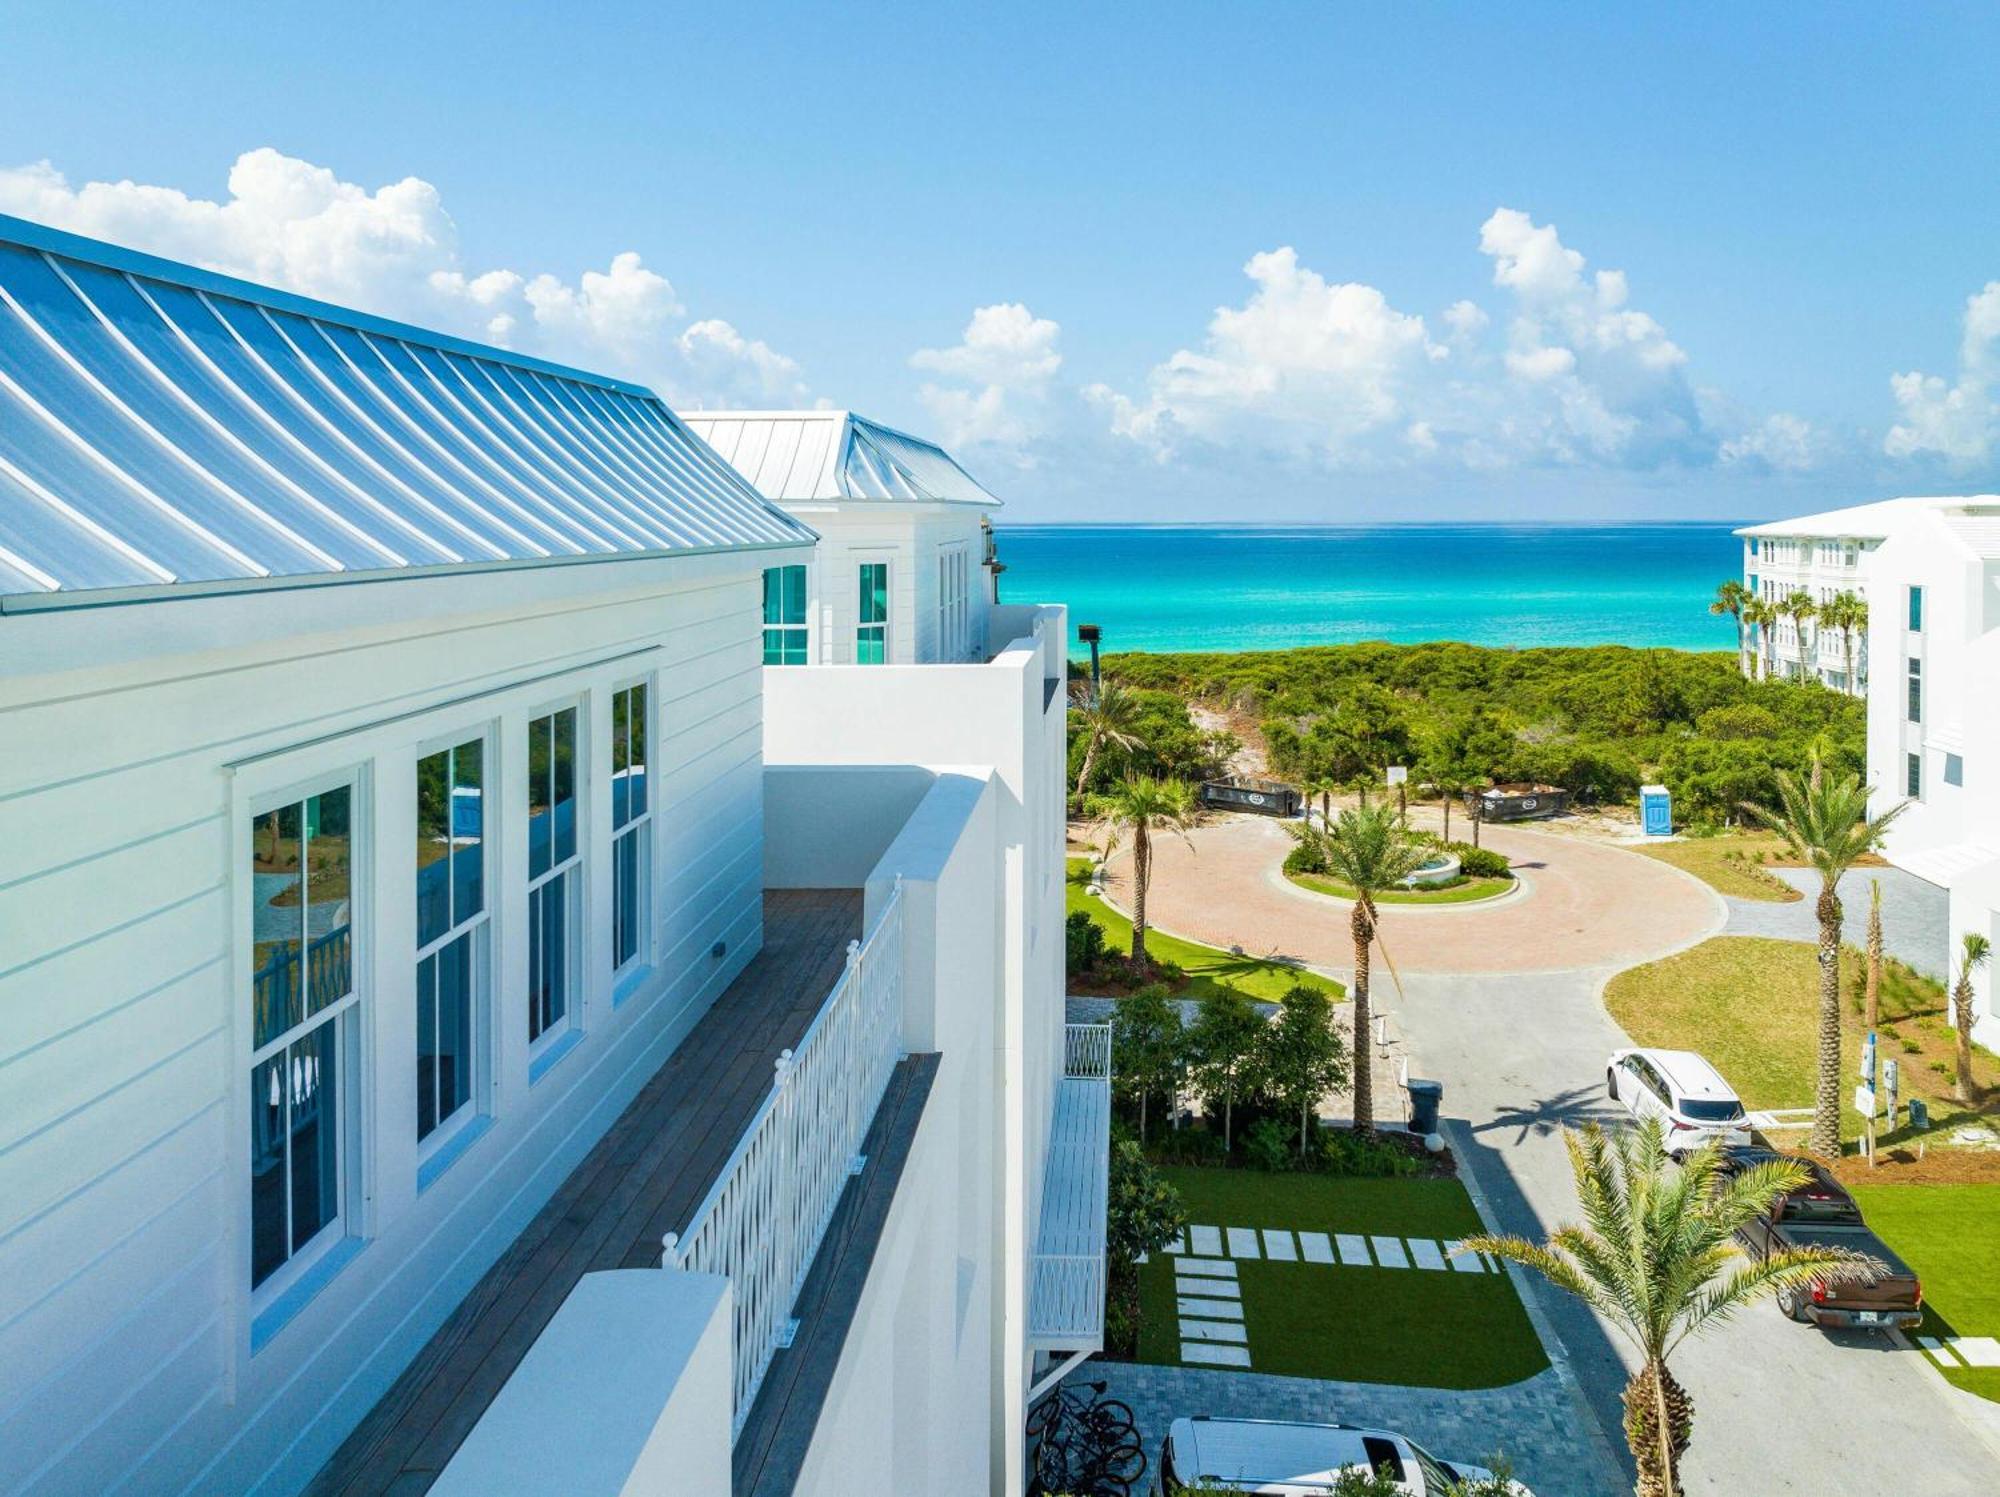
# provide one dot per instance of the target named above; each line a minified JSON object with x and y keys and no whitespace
{"x":690,"y":1156}
{"x":1066,"y":1288}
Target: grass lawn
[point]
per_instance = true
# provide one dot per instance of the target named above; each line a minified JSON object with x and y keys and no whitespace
{"x":1731,"y":863}
{"x":1751,"y":1004}
{"x":1353,"y":1324}
{"x":1467,"y":892}
{"x":1207,"y":968}
{"x":1946,"y":1232}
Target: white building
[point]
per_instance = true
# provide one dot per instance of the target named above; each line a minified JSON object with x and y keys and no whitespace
{"x":1934,"y":708}
{"x":1822,"y":556}
{"x":904,"y":571}
{"x":420,"y":915}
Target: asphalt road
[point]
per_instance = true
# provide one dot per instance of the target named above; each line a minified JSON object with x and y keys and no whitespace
{"x":1779,"y":1408}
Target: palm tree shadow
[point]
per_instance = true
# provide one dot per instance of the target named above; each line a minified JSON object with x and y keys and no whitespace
{"x":1546,"y":1115}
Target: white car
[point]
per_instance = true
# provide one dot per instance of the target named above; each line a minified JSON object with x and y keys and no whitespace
{"x":1688,"y":1095}
{"x":1279,"y":1458}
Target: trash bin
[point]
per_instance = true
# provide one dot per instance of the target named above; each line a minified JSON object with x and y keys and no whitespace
{"x":1425,"y":1097}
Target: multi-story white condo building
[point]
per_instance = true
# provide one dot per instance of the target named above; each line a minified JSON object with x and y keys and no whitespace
{"x":1821,"y":556}
{"x":905,"y":567}
{"x":464,"y":1022}
{"x":1934,"y":709}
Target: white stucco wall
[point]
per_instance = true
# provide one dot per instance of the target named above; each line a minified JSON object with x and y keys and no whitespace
{"x":135,"y":739}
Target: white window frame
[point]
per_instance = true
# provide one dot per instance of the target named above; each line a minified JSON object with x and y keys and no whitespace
{"x":574,"y":868}
{"x":887,"y":624}
{"x":639,"y":827}
{"x":478,"y":1103}
{"x":804,"y":628}
{"x":348,"y":1039}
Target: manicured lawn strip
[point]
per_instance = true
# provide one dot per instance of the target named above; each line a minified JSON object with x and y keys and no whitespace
{"x":1207,"y":967}
{"x":1750,"y":1004}
{"x":1469,"y":892}
{"x":1371,"y":1325}
{"x":1742,"y":875}
{"x":1947,"y":1234}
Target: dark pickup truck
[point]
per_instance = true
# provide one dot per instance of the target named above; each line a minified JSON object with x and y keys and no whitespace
{"x":1821,"y":1213}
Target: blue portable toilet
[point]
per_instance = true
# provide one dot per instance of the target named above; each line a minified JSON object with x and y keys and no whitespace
{"x":1656,"y":811}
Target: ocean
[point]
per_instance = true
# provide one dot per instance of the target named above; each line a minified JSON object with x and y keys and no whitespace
{"x":1257,"y":587}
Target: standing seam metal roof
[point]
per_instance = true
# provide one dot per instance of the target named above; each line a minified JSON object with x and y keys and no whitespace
{"x":801,"y":456}
{"x":161,"y":424}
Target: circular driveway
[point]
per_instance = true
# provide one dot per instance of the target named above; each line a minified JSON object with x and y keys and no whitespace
{"x":1581,"y":904}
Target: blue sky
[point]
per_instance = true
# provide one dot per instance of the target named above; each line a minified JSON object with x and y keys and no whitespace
{"x":1280,"y":262}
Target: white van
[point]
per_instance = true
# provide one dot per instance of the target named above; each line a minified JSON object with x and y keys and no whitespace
{"x":1688,"y":1095}
{"x":1278,"y":1458}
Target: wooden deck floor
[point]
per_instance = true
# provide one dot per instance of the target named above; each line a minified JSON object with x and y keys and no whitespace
{"x":642,"y":1180}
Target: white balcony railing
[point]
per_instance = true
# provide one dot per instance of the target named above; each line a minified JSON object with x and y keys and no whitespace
{"x":1087,"y":1051}
{"x":762,"y":1221}
{"x":1066,"y":1286}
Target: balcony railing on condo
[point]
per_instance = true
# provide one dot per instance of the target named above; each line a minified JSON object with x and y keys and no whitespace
{"x":1087,"y":1051}
{"x":1066,"y":1289}
{"x":762,"y":1221}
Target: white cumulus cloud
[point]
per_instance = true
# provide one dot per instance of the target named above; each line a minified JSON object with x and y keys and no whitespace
{"x":1957,"y":419}
{"x":993,"y":384}
{"x":395,"y":251}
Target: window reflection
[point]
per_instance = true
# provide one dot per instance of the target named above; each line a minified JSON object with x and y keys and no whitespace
{"x":451,"y":899}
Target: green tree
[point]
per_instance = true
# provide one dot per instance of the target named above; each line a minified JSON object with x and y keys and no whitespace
{"x":1798,"y":606}
{"x":1846,"y":614}
{"x":1147,"y":1041}
{"x":1655,"y":1256}
{"x":1370,"y":851}
{"x":1872,"y":990}
{"x":1825,"y":822}
{"x":1142,"y":809}
{"x":1304,"y":1055}
{"x":1730,"y":596}
{"x":1224,"y":1046}
{"x":1762,"y":615}
{"x":1143,"y":1213}
{"x":1109,"y":716}
{"x":1973,"y":955}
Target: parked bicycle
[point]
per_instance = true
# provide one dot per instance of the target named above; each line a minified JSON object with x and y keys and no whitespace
{"x":1082,"y":1444}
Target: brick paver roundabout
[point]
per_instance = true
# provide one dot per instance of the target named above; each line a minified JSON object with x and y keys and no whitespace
{"x":1582,"y":904}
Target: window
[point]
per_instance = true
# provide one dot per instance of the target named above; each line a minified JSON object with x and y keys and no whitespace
{"x":1916,"y":703}
{"x":555,"y":876}
{"x":1916,"y":610}
{"x":451,"y":935}
{"x":871,"y":632}
{"x":1954,"y":770}
{"x":1914,"y":775}
{"x":631,"y":827}
{"x":302,"y":997}
{"x":786,"y":635}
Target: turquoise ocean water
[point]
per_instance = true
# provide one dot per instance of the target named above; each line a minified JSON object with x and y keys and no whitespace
{"x":1220,"y":587}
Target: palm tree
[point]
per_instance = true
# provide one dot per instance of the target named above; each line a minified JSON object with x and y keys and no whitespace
{"x":1320,"y":787}
{"x":1108,"y":716}
{"x":1799,"y":607}
{"x":1655,"y":1257}
{"x":1847,"y":613}
{"x":1370,"y":851}
{"x":1872,"y":1003}
{"x":1762,"y":614}
{"x":1144,"y":808}
{"x":1976,"y":951}
{"x":1825,"y":823}
{"x":1730,"y":598}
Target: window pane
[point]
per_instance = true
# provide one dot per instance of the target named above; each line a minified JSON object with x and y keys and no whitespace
{"x":329,"y":898}
{"x":427,"y":1033}
{"x":315,"y":1133}
{"x":874,"y":592}
{"x":621,"y":749}
{"x":539,"y":839}
{"x":454,"y":1026}
{"x":625,"y":892}
{"x":468,"y":831}
{"x":277,"y":921}
{"x":795,"y":647}
{"x":267,"y":1168}
{"x":638,"y":753}
{"x":795,"y":595}
{"x":774,"y":647}
{"x":774,"y":595}
{"x":871,"y":648}
{"x":434,"y":808}
{"x":538,"y":1001}
{"x":564,"y":754}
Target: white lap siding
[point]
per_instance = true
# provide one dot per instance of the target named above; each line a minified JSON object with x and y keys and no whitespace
{"x":125,"y":1310}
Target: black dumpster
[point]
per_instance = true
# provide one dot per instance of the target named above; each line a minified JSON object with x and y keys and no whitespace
{"x":1425,"y":1099}
{"x":1270,"y":797}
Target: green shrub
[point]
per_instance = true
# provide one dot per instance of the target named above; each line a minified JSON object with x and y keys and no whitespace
{"x":1083,"y":942}
{"x":1341,"y":1151}
{"x":1188,"y":1146}
{"x":1481,"y":862}
{"x":1305,"y":858}
{"x":1271,"y":1147}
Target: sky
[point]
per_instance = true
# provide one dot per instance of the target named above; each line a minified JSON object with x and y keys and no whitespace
{"x":1160,"y":263}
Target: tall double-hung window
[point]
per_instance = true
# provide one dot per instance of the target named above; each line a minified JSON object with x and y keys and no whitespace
{"x":303,"y":1003}
{"x":787,"y":638}
{"x":555,"y":877}
{"x":1915,"y":705}
{"x":631,"y":829}
{"x":452,"y":952}
{"x":871,"y":630}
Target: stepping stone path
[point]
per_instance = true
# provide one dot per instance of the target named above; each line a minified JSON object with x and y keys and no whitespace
{"x":1210,"y":1305}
